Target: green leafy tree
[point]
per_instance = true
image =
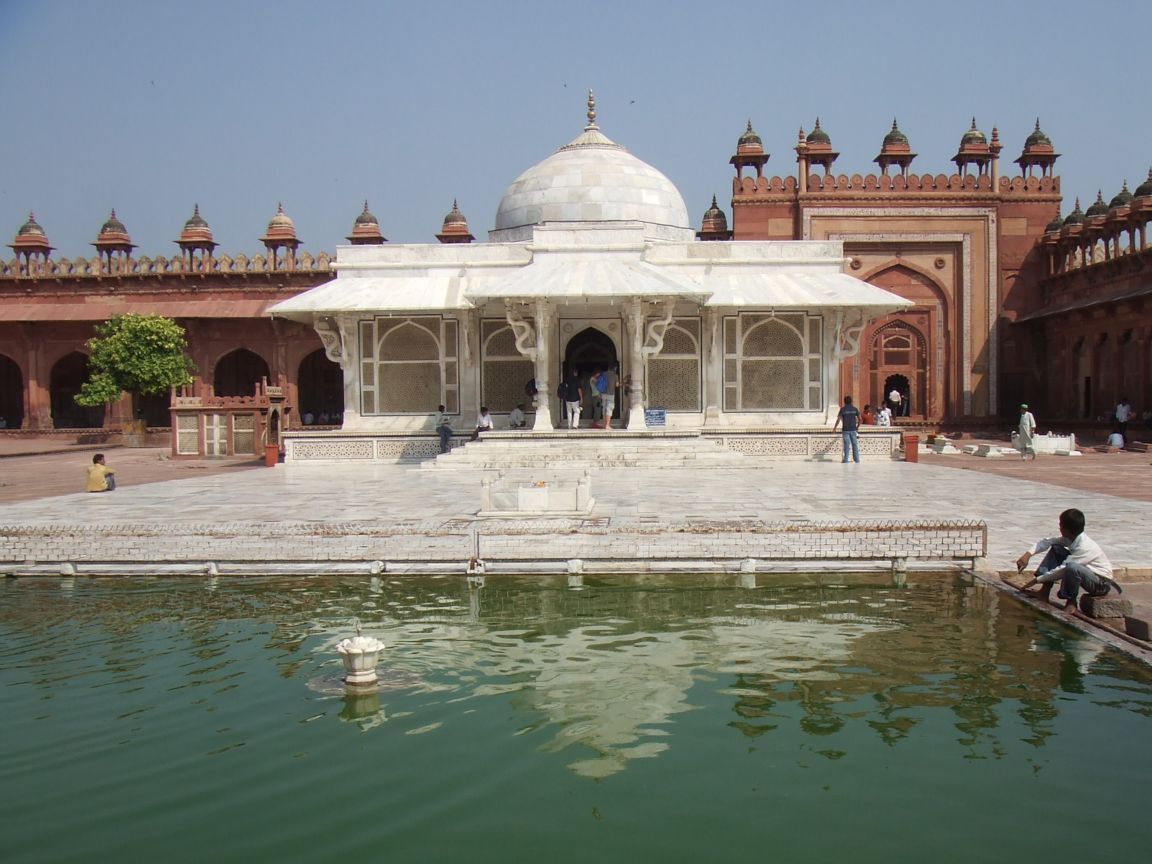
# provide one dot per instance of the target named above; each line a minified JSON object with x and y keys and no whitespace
{"x":135,"y":354}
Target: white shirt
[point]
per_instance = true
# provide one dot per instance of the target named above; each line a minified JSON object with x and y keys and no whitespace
{"x":484,"y":421}
{"x":1123,"y":412}
{"x":884,"y":417}
{"x":516,"y":417}
{"x":894,"y":397}
{"x":1083,"y":550}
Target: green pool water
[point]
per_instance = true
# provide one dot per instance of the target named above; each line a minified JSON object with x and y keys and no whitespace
{"x":819,"y":719}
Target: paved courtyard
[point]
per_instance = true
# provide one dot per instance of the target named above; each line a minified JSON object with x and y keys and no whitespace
{"x":1018,"y":500}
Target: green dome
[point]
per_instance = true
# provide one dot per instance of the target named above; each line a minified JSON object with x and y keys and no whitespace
{"x":1076,"y":216}
{"x":1037,"y":138}
{"x":196,"y":221}
{"x":31,"y":228}
{"x":714,"y":218}
{"x":367,"y":218}
{"x":113,"y":225}
{"x":973,"y":136}
{"x":818,"y":135}
{"x":1097,"y":207}
{"x":454,"y":217}
{"x":1055,"y":225}
{"x":749,"y":138}
{"x":895,"y":136}
{"x":1145,"y":188}
{"x":1123,"y":198}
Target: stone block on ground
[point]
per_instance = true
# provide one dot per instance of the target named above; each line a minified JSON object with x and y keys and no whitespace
{"x":1109,"y":606}
{"x":1139,"y":628}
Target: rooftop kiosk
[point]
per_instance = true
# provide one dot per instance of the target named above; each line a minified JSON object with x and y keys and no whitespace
{"x":592,"y":264}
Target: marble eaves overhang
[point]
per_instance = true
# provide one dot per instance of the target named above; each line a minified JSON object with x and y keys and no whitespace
{"x":562,"y":266}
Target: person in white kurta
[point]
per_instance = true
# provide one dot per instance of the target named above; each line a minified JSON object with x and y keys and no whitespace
{"x":1027,"y":433}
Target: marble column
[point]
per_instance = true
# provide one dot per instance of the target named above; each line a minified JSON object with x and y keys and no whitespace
{"x":545,"y":318}
{"x":637,"y":371}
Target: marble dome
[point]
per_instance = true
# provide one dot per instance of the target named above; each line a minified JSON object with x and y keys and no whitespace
{"x":592,"y":179}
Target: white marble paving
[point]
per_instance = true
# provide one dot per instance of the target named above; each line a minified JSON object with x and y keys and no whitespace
{"x":1016,"y":511}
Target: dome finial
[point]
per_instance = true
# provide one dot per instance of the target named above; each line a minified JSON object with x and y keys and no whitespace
{"x":591,"y":108}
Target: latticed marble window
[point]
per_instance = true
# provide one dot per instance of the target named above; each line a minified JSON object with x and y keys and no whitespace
{"x":244,"y":433}
{"x":674,"y":373}
{"x":504,"y":371}
{"x":187,"y":434}
{"x":773,"y":362}
{"x":409,"y":365}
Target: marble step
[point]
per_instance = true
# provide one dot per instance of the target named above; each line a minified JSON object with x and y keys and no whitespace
{"x":585,"y":454}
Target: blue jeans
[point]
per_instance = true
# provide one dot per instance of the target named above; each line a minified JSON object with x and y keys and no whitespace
{"x":445,"y":433}
{"x":1075,"y":576}
{"x":851,"y":437}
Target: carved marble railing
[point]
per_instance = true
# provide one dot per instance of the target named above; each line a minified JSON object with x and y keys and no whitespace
{"x":239,"y":264}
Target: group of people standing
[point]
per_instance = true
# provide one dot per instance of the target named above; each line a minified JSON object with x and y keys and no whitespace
{"x":601,"y":388}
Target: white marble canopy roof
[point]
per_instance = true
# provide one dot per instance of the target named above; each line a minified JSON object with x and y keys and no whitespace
{"x":590,"y":277}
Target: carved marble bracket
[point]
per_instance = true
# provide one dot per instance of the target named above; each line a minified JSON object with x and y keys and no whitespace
{"x":525,"y":333}
{"x":848,"y":330}
{"x":471,"y":324}
{"x":333,"y":341}
{"x":655,"y":330}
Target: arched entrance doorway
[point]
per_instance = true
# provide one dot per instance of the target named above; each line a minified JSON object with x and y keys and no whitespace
{"x":900,"y":362}
{"x":11,"y":394}
{"x":68,"y":376}
{"x":321,"y":389}
{"x":587,"y":352}
{"x":238,"y":372}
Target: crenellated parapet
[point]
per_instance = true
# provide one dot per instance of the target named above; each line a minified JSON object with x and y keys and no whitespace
{"x":897,"y":184}
{"x":143,"y":266}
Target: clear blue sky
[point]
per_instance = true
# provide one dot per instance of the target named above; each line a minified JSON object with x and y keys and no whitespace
{"x":151,"y":106}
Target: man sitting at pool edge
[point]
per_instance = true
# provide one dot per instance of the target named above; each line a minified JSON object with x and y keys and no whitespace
{"x":1073,"y":559}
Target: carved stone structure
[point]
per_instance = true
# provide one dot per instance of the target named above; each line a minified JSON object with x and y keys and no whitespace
{"x":591,"y":265}
{"x":955,"y":246}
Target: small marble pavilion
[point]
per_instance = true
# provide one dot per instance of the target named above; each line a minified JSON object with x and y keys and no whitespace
{"x":592,"y":263}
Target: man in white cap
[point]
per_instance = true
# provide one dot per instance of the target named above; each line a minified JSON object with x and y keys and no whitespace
{"x":1027,"y":432}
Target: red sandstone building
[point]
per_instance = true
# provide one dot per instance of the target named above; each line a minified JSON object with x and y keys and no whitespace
{"x":1011,"y":302}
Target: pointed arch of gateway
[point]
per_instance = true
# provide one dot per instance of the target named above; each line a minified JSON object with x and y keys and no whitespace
{"x":898,"y":361}
{"x":914,"y":343}
{"x":238,"y":372}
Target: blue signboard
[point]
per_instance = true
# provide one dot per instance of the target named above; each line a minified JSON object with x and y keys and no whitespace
{"x":654,"y":416}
